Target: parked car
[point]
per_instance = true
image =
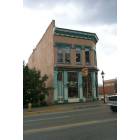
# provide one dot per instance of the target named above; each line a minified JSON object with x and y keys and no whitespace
{"x":112,"y":102}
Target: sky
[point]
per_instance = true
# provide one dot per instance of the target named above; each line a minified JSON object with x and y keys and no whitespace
{"x":97,"y":16}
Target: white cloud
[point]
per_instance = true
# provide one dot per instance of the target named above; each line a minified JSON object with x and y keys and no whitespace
{"x":37,"y":21}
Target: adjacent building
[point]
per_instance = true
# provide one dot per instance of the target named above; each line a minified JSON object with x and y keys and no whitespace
{"x":69,"y":59}
{"x":110,"y":88}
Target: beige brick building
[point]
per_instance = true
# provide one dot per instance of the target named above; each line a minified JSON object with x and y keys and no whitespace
{"x":62,"y":54}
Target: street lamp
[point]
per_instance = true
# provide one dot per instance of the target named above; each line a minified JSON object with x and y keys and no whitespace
{"x":102,"y":73}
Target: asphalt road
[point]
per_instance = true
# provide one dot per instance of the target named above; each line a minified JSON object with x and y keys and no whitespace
{"x":97,"y":123}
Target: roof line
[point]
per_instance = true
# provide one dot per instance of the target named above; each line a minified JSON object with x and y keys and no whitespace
{"x":78,"y":31}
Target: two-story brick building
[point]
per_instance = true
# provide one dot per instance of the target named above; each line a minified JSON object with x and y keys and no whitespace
{"x":62,"y":54}
{"x":110,"y":88}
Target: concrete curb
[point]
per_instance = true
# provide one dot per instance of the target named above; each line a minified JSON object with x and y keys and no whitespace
{"x":57,"y":108}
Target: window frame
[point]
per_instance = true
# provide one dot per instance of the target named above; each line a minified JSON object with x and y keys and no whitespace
{"x":67,"y":51}
{"x":88,"y":63}
{"x":58,"y":53}
{"x":79,"y":51}
{"x":63,"y":47}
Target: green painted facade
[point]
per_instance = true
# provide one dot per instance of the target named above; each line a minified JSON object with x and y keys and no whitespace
{"x":66,"y":91}
{"x":61,"y":88}
{"x":76,"y":34}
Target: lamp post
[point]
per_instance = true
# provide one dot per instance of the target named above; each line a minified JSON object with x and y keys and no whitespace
{"x":102,"y":73}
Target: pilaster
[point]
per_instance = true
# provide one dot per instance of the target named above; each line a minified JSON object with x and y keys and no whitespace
{"x":93,"y":86}
{"x":55,"y":86}
{"x":65,"y":87}
{"x":80,"y":86}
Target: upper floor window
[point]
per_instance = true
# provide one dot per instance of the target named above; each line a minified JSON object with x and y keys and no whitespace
{"x":59,"y":55}
{"x":63,"y":53}
{"x":78,"y":55}
{"x":67,"y":55}
{"x":87,"y":55}
{"x":95,"y":59}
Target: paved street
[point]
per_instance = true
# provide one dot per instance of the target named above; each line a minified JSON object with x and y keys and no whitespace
{"x":93,"y":123}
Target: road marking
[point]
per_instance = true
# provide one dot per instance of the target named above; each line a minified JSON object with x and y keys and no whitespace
{"x":68,"y":126}
{"x":52,"y":118}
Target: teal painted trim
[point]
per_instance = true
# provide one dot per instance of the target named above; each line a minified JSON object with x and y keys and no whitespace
{"x":80,"y":88}
{"x":55,"y":86}
{"x":81,"y":100}
{"x":65,"y":85}
{"x":87,"y":47}
{"x":55,"y":68}
{"x":65,"y":101}
{"x":97,"y":94}
{"x":60,"y":91}
{"x":93,"y":85}
{"x":76,"y":34}
{"x":83,"y":47}
{"x":62,"y":45}
{"x":78,"y":46}
{"x":95,"y":58}
{"x":94,"y":99}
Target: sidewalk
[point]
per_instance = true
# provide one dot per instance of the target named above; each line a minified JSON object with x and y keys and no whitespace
{"x":61,"y":108}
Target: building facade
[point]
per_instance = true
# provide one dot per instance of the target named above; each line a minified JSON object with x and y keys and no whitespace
{"x":69,"y":59}
{"x":110,"y":88}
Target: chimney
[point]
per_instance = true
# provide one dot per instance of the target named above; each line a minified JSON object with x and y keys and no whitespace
{"x":53,"y":23}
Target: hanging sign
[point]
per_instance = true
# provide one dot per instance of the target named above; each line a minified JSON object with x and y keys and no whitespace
{"x":84,"y":72}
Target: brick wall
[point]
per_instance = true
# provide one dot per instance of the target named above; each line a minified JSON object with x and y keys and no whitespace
{"x":42,"y":57}
{"x":76,"y":41}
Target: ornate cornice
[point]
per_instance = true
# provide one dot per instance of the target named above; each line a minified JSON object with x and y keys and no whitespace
{"x":76,"y":34}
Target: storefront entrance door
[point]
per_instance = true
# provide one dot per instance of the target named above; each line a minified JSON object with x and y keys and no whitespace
{"x":72,"y":84}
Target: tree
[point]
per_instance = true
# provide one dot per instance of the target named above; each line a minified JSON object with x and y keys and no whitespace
{"x":34,"y":86}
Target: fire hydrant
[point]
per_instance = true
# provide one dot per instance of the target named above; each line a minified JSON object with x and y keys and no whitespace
{"x":29,"y":107}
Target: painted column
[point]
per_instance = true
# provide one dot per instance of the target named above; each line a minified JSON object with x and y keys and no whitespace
{"x":55,"y":87}
{"x":93,"y":86}
{"x":65,"y":87}
{"x":80,"y":88}
{"x":97,"y":86}
{"x":60,"y":88}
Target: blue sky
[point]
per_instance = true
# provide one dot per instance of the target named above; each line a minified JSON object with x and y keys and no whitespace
{"x":97,"y":16}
